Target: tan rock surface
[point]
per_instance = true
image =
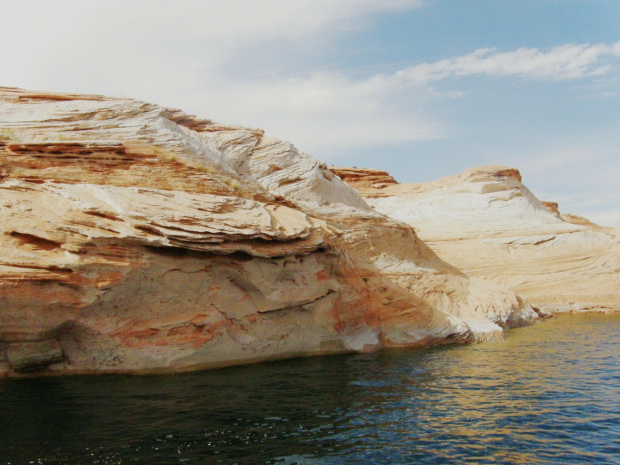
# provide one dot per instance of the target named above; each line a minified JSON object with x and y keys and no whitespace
{"x":488,"y":224}
{"x":135,"y":238}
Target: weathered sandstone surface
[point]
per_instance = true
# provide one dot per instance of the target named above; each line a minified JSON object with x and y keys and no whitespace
{"x":489,"y":225}
{"x":135,"y":238}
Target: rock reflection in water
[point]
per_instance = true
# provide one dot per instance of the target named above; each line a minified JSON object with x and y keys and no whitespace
{"x":548,"y":394}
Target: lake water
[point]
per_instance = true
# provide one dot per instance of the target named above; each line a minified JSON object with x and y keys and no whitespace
{"x":549,"y":393}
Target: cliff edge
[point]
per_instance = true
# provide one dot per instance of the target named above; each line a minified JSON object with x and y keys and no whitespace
{"x":136,"y":239}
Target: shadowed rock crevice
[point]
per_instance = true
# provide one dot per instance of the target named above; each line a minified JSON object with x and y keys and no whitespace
{"x":35,"y":241}
{"x":32,"y":356}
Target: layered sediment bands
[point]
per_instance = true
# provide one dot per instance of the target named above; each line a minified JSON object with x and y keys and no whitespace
{"x":488,"y":224}
{"x":135,"y":238}
{"x":366,"y":179}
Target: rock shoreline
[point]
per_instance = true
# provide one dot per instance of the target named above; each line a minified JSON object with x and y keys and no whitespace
{"x":138,"y":239}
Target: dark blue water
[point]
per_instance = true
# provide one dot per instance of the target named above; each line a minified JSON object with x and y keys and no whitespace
{"x":548,"y":394}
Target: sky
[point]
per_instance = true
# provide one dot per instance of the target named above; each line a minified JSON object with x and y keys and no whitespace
{"x":420,"y":88}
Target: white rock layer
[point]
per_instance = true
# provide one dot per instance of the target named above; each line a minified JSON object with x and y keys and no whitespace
{"x":489,"y":225}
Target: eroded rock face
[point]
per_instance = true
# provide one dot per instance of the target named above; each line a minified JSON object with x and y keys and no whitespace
{"x":488,"y":224}
{"x":135,"y":238}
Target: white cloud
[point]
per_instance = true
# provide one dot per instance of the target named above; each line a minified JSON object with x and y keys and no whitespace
{"x":348,"y":112}
{"x":331,"y":110}
{"x":323,"y":113}
{"x":560,"y":63}
{"x":242,"y":61}
{"x":204,"y":57}
{"x":144,"y":42}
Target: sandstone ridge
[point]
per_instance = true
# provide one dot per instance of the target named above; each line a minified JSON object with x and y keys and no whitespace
{"x":139,"y":239}
{"x":489,"y":225}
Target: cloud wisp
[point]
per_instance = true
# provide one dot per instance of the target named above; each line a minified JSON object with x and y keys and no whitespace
{"x":565,"y":62}
{"x":385,"y":108}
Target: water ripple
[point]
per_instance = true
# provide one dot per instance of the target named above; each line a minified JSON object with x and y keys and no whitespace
{"x":548,"y":394}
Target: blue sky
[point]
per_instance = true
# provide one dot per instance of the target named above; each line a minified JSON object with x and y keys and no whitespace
{"x":421,"y":88}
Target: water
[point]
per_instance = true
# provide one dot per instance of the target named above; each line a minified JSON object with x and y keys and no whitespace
{"x":548,"y":394}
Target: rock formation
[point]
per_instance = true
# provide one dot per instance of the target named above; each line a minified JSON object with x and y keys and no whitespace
{"x":489,"y":225}
{"x":135,"y":238}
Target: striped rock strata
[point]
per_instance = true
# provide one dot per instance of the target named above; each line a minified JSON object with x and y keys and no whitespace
{"x":135,"y":238}
{"x":489,"y":225}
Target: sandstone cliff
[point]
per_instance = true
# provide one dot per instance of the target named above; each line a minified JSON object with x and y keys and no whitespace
{"x":135,"y":238}
{"x":489,"y":225}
